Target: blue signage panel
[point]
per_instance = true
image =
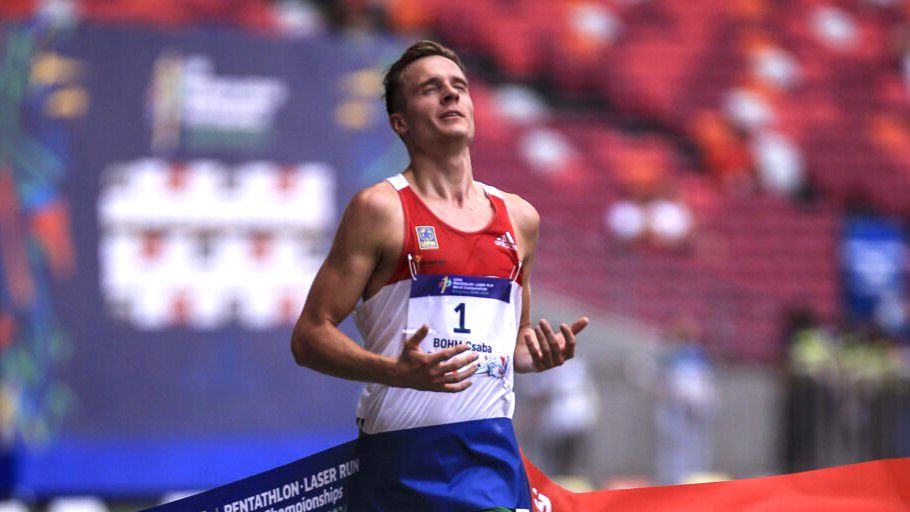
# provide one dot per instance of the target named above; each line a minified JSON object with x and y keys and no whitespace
{"x":874,"y":263}
{"x":182,"y":189}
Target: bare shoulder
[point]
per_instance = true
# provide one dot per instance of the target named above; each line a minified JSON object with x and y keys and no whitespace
{"x":523,"y":214}
{"x":373,"y":227}
{"x":375,"y":203}
{"x":372,"y":220}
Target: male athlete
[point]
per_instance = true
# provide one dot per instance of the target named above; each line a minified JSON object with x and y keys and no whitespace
{"x":442,"y":264}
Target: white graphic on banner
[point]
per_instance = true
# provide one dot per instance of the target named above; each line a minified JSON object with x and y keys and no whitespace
{"x":541,"y":502}
{"x":201,"y":245}
{"x":213,"y":110}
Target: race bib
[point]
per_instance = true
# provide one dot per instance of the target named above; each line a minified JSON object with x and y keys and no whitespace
{"x":467,"y":310}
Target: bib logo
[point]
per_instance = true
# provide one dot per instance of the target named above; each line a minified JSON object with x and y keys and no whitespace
{"x":426,"y":237}
{"x":541,"y":502}
{"x":444,"y":284}
{"x":494,"y":367}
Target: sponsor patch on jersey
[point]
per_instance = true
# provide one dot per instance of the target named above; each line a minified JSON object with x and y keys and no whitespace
{"x":505,"y":240}
{"x":426,"y":237}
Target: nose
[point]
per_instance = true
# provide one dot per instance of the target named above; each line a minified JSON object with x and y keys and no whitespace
{"x":451,"y":94}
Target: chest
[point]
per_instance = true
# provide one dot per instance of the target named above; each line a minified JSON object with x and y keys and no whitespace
{"x":474,"y":239}
{"x":468,"y":217}
{"x":438,"y":249}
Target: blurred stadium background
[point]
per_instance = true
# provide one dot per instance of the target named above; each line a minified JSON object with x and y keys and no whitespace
{"x":724,"y":187}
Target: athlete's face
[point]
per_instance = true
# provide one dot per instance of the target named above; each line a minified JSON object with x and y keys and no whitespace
{"x":438,"y":108}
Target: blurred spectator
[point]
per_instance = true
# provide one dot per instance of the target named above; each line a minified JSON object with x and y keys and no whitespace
{"x":848,"y":397}
{"x":864,"y":426}
{"x":520,"y":105}
{"x":626,"y":220}
{"x":891,"y":314}
{"x":723,"y":151}
{"x":355,"y":16}
{"x":779,"y":163}
{"x":408,"y":16}
{"x":652,"y":212}
{"x":811,"y":357}
{"x":550,"y":153}
{"x":773,"y":65}
{"x":891,"y":133}
{"x":834,"y":27}
{"x":662,"y":222}
{"x":749,"y":108}
{"x":671,"y":221}
{"x":748,"y":144}
{"x":686,"y":406}
{"x":297,"y":18}
{"x":567,"y":413}
{"x":811,"y":348}
{"x":591,"y":27}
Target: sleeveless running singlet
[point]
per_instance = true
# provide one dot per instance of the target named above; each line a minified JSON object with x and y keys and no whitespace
{"x":424,"y":450}
{"x":467,"y":288}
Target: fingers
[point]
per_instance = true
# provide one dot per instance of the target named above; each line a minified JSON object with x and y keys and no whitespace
{"x":552,"y":340}
{"x":456,"y":380}
{"x":443,"y":371}
{"x":455,"y":388}
{"x":545,"y":348}
{"x":534,"y":349}
{"x":456,"y":377}
{"x":551,"y":349}
{"x":569,"y":336}
{"x":580,"y":324}
{"x":414,"y":340}
{"x":445,"y":355}
{"x":457,"y":363}
{"x":436,"y":371}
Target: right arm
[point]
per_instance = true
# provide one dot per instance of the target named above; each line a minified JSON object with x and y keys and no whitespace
{"x":371,"y":220}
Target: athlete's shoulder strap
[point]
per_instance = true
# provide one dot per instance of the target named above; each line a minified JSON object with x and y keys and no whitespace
{"x":493,"y":191}
{"x":402,"y":268}
{"x":398,"y":181}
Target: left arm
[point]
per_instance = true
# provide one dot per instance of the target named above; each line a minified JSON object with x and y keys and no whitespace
{"x":539,"y":347}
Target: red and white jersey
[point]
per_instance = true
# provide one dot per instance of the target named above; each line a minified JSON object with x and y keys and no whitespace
{"x":467,"y":287}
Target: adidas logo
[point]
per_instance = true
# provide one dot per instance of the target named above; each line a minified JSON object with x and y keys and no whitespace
{"x":506,"y":240}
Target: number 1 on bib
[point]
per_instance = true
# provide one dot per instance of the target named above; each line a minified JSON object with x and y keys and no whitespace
{"x":461,"y":328}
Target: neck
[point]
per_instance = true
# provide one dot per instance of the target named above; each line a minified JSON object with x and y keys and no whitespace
{"x":443,"y":176}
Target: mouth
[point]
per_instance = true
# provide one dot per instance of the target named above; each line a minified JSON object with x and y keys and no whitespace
{"x":451,"y":114}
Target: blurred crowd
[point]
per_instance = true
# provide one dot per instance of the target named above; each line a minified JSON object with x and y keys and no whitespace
{"x":249,"y":14}
{"x":848,"y":394}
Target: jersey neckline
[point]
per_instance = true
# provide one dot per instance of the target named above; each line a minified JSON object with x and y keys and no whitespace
{"x":449,"y":226}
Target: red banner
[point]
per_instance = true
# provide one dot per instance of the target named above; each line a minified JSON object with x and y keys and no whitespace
{"x":880,"y":486}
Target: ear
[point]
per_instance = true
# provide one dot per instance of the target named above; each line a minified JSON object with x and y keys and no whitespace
{"x":398,"y":123}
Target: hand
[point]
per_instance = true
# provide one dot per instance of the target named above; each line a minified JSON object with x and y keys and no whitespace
{"x":549,"y":349}
{"x":439,"y":371}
